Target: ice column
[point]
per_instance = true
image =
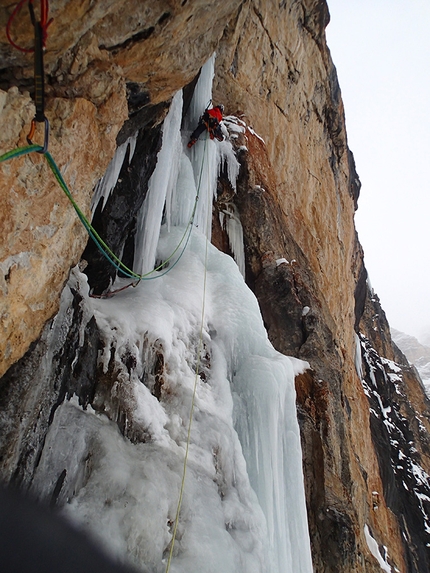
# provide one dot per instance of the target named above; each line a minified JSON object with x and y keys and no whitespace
{"x":266,"y":422}
{"x":231,"y":222}
{"x":162,"y":181}
{"x":181,"y":199}
{"x":203,"y":154}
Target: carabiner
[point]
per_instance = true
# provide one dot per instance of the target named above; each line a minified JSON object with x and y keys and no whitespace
{"x":30,"y":136}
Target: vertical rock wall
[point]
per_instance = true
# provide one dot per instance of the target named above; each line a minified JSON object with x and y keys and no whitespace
{"x":297,"y":198}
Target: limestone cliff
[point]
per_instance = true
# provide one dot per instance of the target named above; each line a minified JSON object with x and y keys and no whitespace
{"x":112,"y":69}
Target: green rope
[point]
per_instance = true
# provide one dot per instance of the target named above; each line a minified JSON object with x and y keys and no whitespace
{"x":99,"y":242}
{"x":19,"y":151}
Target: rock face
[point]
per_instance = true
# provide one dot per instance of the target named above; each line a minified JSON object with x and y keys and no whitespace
{"x":112,"y":69}
{"x":41,"y":235}
{"x":399,"y":423}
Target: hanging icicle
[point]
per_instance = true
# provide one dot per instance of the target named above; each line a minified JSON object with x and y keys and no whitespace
{"x":160,"y":185}
{"x":107,"y":183}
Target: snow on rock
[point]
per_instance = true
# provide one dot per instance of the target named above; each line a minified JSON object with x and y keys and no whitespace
{"x":417,"y":353}
{"x":234,"y":124}
{"x":382,"y":382}
{"x":255,"y":134}
{"x":305,"y":310}
{"x":374,"y":549}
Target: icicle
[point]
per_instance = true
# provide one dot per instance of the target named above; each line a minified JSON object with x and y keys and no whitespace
{"x":205,"y":165}
{"x":207,"y":156}
{"x":180,"y":203}
{"x":160,"y":186}
{"x":226,"y":155}
{"x":267,"y":426}
{"x":202,"y":96}
{"x":230,"y":221}
{"x":132,"y":142}
{"x":203,"y":154}
{"x":358,"y":359}
{"x":172,"y":182}
{"x":106,"y":184}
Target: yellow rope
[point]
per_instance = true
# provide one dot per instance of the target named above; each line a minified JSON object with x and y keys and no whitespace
{"x":190,"y":421}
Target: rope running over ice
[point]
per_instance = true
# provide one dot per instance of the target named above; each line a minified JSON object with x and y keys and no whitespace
{"x":105,"y":250}
{"x":193,"y":399}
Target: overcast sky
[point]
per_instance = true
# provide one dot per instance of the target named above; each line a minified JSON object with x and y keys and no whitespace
{"x":381,"y":49}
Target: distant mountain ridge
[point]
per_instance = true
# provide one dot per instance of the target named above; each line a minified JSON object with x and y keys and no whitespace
{"x":418,"y":354}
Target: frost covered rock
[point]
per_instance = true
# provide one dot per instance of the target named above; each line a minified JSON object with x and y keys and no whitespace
{"x":418,"y":354}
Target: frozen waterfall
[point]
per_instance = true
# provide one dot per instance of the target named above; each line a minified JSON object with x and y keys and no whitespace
{"x":243,"y":509}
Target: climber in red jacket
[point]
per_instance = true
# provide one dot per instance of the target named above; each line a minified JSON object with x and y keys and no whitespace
{"x":210,"y":120}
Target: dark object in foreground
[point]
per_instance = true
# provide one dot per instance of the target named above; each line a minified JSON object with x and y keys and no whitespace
{"x":34,"y":539}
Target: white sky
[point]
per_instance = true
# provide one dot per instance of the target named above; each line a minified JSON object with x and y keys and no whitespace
{"x":381,"y":50}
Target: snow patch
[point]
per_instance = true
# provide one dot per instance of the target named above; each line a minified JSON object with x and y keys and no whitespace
{"x":255,"y":134}
{"x":374,"y":550}
{"x":305,"y":310}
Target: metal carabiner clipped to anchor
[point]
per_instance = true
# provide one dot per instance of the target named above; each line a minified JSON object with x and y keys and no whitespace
{"x":39,"y":75}
{"x":40,"y":35}
{"x":44,"y":147}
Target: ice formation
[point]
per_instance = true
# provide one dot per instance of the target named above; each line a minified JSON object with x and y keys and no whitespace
{"x":243,"y":509}
{"x":181,"y":175}
{"x":160,"y":186}
{"x":108,"y":181}
{"x":230,"y":221}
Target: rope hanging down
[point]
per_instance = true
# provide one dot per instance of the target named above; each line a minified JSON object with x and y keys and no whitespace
{"x":193,"y":399}
{"x":40,"y":28}
{"x":40,"y":37}
{"x":100,"y":243}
